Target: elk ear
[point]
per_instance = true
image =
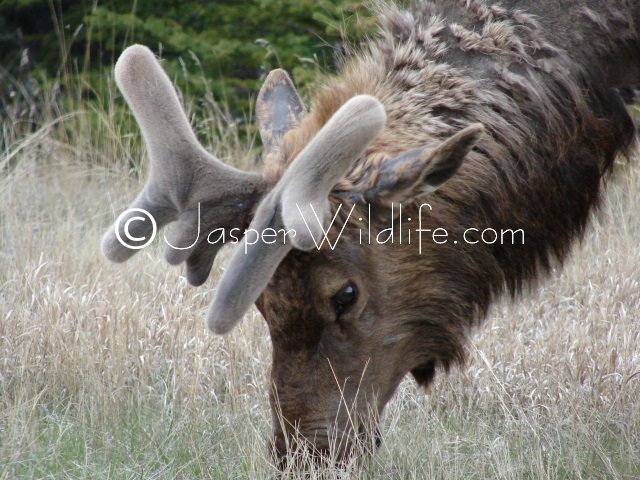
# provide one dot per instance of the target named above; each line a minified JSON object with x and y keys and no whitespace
{"x":279,"y":108}
{"x":423,"y":170}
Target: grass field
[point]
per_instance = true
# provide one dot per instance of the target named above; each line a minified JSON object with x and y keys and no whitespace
{"x":106,"y":371}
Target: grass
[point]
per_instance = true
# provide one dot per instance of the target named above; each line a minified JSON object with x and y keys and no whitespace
{"x":106,"y":371}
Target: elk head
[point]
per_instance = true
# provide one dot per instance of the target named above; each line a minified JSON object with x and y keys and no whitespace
{"x":345,"y":321}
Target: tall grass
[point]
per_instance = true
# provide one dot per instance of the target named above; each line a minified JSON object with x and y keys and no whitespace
{"x":106,"y":371}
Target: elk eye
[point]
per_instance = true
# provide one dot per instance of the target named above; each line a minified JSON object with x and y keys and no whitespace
{"x":345,"y":297}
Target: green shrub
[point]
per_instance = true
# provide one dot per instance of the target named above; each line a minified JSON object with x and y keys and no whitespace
{"x":223,"y":47}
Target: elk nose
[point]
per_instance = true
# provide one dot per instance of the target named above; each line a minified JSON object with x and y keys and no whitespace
{"x":279,"y":452}
{"x":305,"y":451}
{"x":319,"y":450}
{"x":369,"y":438}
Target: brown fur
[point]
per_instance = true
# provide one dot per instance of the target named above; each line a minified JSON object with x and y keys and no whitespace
{"x":555,"y":125}
{"x":542,"y":79}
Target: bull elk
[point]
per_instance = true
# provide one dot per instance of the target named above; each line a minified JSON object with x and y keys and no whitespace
{"x":365,"y":241}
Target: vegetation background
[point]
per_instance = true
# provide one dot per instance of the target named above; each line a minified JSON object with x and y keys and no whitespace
{"x":106,"y":371}
{"x":230,"y":44}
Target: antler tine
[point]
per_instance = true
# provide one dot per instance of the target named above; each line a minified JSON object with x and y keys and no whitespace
{"x":310,"y":179}
{"x":154,"y":103}
{"x":249,"y":270}
{"x":185,"y":182}
{"x":305,"y":185}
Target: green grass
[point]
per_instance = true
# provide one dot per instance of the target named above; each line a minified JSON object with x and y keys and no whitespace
{"x":139,"y":438}
{"x":106,"y":371}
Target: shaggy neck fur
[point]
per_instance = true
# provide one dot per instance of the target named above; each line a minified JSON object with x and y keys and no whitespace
{"x":554,"y":127}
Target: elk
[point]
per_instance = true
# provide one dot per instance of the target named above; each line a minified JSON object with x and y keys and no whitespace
{"x":362,"y":242}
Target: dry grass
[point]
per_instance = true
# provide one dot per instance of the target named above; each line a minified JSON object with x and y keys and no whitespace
{"x":106,"y":371}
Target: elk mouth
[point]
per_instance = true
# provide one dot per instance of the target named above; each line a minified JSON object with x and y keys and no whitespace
{"x":324,"y":449}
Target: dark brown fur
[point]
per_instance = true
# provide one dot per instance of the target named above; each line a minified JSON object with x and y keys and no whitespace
{"x":544,"y":85}
{"x":542,"y":80}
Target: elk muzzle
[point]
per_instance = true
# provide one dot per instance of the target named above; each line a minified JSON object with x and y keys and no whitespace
{"x":327,"y":446}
